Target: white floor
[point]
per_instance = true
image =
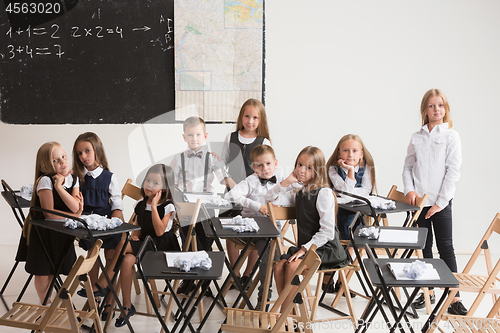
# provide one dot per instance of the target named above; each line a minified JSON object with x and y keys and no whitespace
{"x":150,"y":324}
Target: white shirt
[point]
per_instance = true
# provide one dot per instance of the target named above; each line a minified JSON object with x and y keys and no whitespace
{"x":250,"y":194}
{"x":115,"y":194}
{"x":432,"y":164}
{"x":45,"y":183}
{"x":326,"y":209}
{"x":243,"y":140}
{"x":349,"y":185}
{"x":195,"y":171}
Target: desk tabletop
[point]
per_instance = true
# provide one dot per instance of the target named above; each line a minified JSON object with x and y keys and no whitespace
{"x":23,"y":203}
{"x":446,"y":277}
{"x":364,"y":209}
{"x":82,"y":232}
{"x":154,"y":266}
{"x":267,"y":229}
{"x":375,"y":243}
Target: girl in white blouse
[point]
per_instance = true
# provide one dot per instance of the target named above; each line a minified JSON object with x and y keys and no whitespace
{"x":315,"y":208}
{"x":432,"y":166}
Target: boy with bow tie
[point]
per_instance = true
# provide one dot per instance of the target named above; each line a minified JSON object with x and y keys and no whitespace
{"x":195,"y":168}
{"x":249,"y":193}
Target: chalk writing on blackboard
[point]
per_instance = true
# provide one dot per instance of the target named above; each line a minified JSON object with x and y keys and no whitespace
{"x":101,"y":62}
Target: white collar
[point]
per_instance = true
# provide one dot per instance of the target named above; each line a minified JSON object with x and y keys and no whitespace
{"x":94,"y":173}
{"x":356,"y":169}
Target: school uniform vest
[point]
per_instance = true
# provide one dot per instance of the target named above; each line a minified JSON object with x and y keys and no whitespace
{"x":145,"y":220}
{"x":307,"y":214}
{"x":238,"y":169}
{"x":358,"y":176}
{"x":95,"y":193}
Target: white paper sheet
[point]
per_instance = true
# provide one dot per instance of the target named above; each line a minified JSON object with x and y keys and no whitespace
{"x":171,"y":256}
{"x":192,"y":197}
{"x":398,"y":236}
{"x":397,"y":270}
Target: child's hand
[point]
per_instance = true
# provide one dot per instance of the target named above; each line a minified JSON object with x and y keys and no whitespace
{"x":411,"y":196}
{"x":216,"y":156}
{"x":298,"y":254}
{"x":289,"y":180}
{"x":58,"y":180}
{"x":433,"y":210}
{"x":156,"y":199}
{"x":263,"y":210}
{"x":341,"y":162}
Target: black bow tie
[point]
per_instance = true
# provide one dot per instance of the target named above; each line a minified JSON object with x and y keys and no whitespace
{"x":264,"y":181}
{"x":198,"y":154}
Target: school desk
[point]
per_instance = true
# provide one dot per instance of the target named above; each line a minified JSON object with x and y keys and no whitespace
{"x":86,"y":233}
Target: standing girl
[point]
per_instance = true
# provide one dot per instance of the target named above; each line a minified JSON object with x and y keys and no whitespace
{"x":55,"y":189}
{"x":432,"y":166}
{"x":101,"y":194}
{"x":251,"y":131}
{"x":315,"y":208}
{"x":350,"y":169}
{"x":156,"y":216}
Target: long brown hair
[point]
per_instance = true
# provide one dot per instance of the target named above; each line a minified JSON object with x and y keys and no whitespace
{"x":167,"y":176}
{"x":100,"y":154}
{"x":262,"y":129}
{"x":425,"y":101}
{"x":366,"y":160}
{"x":319,"y":175}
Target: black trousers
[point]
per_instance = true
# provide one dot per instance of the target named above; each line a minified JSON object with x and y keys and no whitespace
{"x":439,"y":225}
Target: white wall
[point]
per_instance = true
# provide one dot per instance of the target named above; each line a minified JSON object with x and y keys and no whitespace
{"x":338,"y":67}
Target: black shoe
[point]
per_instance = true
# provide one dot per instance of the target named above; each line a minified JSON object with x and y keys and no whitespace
{"x":419,"y":302}
{"x":100,"y":292}
{"x":244,"y":280}
{"x":209,"y":293}
{"x":120,"y":321}
{"x":337,"y":288}
{"x":457,"y":308}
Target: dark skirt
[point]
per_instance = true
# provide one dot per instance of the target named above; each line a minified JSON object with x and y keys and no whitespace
{"x":166,"y":242}
{"x":332,"y":254}
{"x":108,"y":242}
{"x":59,"y":247}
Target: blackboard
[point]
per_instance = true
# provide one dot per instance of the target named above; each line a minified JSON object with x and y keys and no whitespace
{"x":93,"y":62}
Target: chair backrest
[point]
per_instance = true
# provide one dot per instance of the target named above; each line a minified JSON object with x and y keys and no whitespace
{"x":310,"y":263}
{"x":484,"y":246}
{"x":394,"y":194}
{"x":133,"y":192}
{"x":10,"y":196}
{"x":80,"y":267}
{"x":288,"y":215}
{"x":187,"y":213}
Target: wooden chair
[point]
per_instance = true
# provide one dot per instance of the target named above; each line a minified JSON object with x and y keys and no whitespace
{"x":60,"y":316}
{"x":394,"y":194}
{"x":287,"y":213}
{"x":240,"y":320}
{"x":476,"y":283}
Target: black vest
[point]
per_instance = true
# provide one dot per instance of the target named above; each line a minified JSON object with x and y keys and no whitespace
{"x":240,"y":168}
{"x":307,"y":214}
{"x":144,"y":219}
{"x":96,"y":194}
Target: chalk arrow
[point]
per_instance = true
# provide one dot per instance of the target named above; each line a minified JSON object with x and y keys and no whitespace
{"x":146,"y":28}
